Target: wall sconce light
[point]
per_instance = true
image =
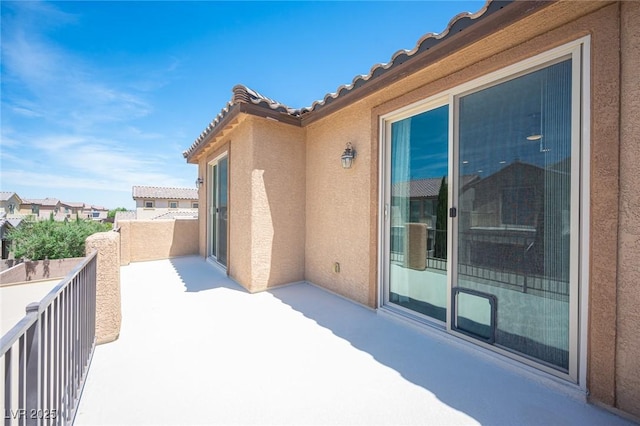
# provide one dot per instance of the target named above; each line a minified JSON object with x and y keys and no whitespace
{"x":347,"y":156}
{"x":199,"y":182}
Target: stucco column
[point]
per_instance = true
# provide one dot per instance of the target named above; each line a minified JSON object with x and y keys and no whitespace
{"x":628,"y":318}
{"x":108,"y":310}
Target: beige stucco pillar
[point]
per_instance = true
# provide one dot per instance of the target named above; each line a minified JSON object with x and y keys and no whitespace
{"x":628,"y":309}
{"x":108,"y":311}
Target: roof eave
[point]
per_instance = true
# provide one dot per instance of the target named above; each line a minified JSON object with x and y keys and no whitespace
{"x":463,"y":32}
{"x":192,"y":154}
{"x":266,"y":112}
{"x":236,"y":109}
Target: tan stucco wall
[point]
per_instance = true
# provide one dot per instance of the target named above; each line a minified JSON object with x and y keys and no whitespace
{"x":266,"y":202}
{"x":144,"y":240}
{"x":338,"y":204}
{"x":239,"y":242}
{"x":277,"y":204}
{"x":628,"y":297}
{"x":108,"y":304}
{"x":37,"y":270}
{"x":125,"y":241}
{"x":237,"y":146}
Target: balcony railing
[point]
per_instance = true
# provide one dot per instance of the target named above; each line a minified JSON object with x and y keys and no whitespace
{"x":46,"y":356}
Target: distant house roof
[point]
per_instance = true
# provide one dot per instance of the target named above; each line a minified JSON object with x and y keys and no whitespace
{"x":417,"y":188}
{"x":159,"y":192}
{"x":174,"y":214}
{"x":8,"y":223}
{"x":128,"y":215}
{"x":425,"y":188}
{"x":50,"y":202}
{"x":464,"y":29}
{"x":6,"y":195}
{"x":72,"y":204}
{"x":15,"y":221}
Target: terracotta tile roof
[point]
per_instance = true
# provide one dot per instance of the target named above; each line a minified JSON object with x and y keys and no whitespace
{"x":158,"y":192}
{"x":456,"y":24}
{"x":244,"y":95}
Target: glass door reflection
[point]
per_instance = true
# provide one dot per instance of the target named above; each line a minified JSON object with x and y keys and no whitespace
{"x":514,"y":203}
{"x":418,"y":213}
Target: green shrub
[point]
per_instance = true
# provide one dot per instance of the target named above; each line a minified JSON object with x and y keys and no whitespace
{"x":112,"y":213}
{"x":37,"y":240}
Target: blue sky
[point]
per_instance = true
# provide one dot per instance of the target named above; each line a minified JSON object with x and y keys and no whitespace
{"x":100,"y":96}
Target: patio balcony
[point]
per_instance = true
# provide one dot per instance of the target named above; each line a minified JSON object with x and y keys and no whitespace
{"x":196,"y":348}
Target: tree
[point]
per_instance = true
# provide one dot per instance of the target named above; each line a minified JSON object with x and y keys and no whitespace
{"x":442,"y":215}
{"x":112,"y":213}
{"x":37,"y":240}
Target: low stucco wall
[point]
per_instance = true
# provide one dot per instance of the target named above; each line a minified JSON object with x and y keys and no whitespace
{"x":108,"y":306}
{"x":36,"y":270}
{"x":143,"y":240}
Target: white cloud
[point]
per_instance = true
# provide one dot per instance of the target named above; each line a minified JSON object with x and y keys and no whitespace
{"x":69,"y":91}
{"x":69,"y":124}
{"x":26,"y":112}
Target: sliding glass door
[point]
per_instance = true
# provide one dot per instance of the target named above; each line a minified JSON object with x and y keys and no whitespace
{"x":514,"y":215}
{"x":418,"y":211}
{"x":481,"y":212}
{"x":218,"y":215}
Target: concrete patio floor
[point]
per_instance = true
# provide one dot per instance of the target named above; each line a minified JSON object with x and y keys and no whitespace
{"x":195,"y":348}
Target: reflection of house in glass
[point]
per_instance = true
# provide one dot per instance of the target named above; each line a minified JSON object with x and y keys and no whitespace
{"x":514,"y":217}
{"x":414,"y":210}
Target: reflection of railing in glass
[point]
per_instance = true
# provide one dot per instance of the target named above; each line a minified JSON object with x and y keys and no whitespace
{"x":526,"y":283}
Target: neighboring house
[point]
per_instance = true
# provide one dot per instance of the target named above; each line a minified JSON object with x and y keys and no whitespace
{"x":7,"y":224}
{"x":71,"y":210}
{"x":155,"y":201}
{"x":5,"y":227}
{"x":10,"y":203}
{"x":530,"y":110}
{"x":40,"y":208}
{"x":99,"y":213}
